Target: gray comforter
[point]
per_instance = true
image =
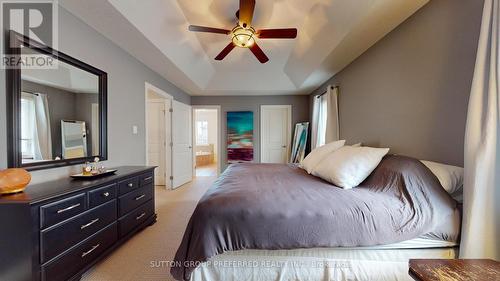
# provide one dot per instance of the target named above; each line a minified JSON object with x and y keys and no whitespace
{"x":273,"y":206}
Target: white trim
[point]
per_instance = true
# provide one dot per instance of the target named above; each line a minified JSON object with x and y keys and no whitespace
{"x":219,"y":151}
{"x":147,"y":87}
{"x":288,"y":107}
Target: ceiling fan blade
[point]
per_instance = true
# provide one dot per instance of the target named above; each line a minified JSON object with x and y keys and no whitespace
{"x":246,"y":12}
{"x":257,"y":51}
{"x":277,"y":33}
{"x":225,"y":51}
{"x":197,"y":28}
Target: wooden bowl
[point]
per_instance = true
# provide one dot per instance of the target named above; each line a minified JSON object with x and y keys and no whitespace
{"x":13,"y":180}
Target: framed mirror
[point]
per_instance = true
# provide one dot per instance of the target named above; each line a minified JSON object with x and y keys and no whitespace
{"x":58,"y":116}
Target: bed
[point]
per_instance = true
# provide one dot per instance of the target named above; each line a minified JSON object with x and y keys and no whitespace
{"x":276,"y":222}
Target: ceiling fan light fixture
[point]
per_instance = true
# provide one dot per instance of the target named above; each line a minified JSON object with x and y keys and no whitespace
{"x":243,"y":34}
{"x":243,"y":37}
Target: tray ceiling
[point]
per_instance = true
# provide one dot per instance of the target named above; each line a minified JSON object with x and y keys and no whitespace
{"x":331,"y":34}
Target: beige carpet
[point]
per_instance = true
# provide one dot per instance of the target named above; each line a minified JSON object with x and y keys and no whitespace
{"x":138,"y":258}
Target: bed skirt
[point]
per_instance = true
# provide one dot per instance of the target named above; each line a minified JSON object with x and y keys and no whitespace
{"x":320,"y":264}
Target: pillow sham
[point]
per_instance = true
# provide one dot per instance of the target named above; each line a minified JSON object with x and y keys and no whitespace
{"x":349,"y":166}
{"x":450,"y":177}
{"x":317,"y":154}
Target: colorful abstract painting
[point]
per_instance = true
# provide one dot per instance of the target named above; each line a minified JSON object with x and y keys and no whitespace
{"x":239,"y":136}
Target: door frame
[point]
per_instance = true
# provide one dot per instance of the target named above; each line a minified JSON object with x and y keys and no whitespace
{"x":288,"y":107}
{"x":168,"y":160}
{"x":219,"y":146}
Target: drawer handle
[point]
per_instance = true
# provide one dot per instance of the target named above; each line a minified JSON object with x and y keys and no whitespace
{"x":69,"y":208}
{"x":140,"y":216}
{"x":91,"y":250}
{"x":140,"y":197}
{"x":148,"y":178}
{"x":131,"y":184}
{"x":89,"y":224}
{"x":105,"y":194}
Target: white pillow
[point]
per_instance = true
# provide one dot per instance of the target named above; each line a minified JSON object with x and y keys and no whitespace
{"x":450,"y":177}
{"x":317,"y":154}
{"x":349,"y":166}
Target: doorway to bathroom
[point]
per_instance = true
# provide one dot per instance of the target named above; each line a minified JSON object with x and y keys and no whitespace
{"x":206,"y":128}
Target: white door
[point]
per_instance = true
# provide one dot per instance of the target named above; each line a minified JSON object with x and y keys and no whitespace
{"x":275,"y":124}
{"x":158,"y":139}
{"x":182,"y":147}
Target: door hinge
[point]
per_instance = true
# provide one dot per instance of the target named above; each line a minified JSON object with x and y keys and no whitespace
{"x":171,"y":110}
{"x":171,"y":177}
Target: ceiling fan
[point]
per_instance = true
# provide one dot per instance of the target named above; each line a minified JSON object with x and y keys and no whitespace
{"x":243,"y":34}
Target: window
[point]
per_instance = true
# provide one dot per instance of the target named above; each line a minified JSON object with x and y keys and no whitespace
{"x":201,"y":132}
{"x":28,"y":126}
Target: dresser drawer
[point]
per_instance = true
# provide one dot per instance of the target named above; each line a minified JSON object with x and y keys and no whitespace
{"x":135,"y":217}
{"x":102,"y":195}
{"x":63,"y":209}
{"x":56,"y":240}
{"x":77,"y":258}
{"x":128,"y":185}
{"x":146,"y":179}
{"x":134,"y":199}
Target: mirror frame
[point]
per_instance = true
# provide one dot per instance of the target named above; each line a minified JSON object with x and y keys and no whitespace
{"x":13,"y":78}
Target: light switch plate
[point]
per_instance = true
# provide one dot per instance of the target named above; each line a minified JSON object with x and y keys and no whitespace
{"x":134,"y":130}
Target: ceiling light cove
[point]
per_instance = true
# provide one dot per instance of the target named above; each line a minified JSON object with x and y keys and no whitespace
{"x":244,"y":34}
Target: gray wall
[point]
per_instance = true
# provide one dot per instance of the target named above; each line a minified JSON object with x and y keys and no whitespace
{"x":126,"y":102}
{"x":410,"y":91}
{"x":300,"y":113}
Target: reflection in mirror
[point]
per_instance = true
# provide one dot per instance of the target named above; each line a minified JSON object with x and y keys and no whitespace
{"x":59,"y":113}
{"x":74,"y":139}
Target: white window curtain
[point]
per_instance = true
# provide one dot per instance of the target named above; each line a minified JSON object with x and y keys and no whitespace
{"x":481,"y":215}
{"x":43,"y":139}
{"x":325,"y":119}
{"x":315,"y":122}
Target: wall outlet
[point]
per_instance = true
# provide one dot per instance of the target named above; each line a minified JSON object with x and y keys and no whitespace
{"x":134,"y":130}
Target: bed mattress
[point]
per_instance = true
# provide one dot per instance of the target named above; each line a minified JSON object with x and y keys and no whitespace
{"x":417,"y":243}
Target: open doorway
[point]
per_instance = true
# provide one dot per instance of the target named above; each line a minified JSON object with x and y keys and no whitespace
{"x":159,"y":134}
{"x":206,"y":122}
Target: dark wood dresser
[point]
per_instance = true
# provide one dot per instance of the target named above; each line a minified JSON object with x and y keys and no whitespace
{"x":57,"y":230}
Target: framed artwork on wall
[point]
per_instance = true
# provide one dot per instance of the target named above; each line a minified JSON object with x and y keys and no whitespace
{"x":239,"y":136}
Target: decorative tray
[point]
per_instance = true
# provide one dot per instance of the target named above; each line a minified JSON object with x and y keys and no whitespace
{"x":82,"y":176}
